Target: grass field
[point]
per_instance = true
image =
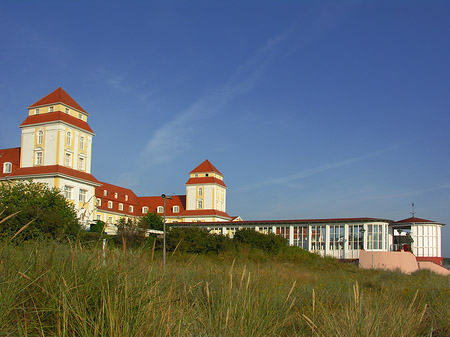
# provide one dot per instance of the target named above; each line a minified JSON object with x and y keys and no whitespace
{"x":55,"y":289}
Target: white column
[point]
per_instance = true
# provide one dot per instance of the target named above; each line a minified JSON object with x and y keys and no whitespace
{"x":291,"y":235}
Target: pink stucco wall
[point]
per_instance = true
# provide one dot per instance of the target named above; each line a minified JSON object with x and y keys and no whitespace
{"x":403,"y":261}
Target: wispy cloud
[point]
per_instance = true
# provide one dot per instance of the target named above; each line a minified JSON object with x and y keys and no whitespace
{"x":291,"y":180}
{"x":174,"y":137}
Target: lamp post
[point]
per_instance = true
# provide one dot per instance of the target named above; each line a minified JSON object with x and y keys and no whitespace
{"x":164,"y":197}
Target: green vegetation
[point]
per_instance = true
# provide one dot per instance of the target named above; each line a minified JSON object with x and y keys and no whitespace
{"x":41,"y":210}
{"x":49,"y":288}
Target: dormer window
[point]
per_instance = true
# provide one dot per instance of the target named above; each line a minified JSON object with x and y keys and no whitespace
{"x":50,"y":109}
{"x":110,"y":204}
{"x":130,"y":209}
{"x":126,"y":197}
{"x":120,"y":207}
{"x":7,"y":167}
{"x":105,"y":193}
{"x":99,"y":202}
{"x":160,"y":209}
{"x":176,"y":209}
{"x":116,"y":195}
{"x":36,"y":111}
{"x":145,"y":209}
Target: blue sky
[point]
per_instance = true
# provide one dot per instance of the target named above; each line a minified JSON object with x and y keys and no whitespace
{"x":310,"y":109}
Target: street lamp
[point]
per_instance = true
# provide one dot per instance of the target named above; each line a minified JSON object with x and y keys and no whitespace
{"x":164,"y":229}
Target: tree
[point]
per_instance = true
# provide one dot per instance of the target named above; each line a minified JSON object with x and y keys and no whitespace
{"x":44,"y":210}
{"x":151,"y":221}
{"x":269,"y":243}
{"x":98,"y":226}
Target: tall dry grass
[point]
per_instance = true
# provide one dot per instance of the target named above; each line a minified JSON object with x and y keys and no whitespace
{"x":54,"y":289}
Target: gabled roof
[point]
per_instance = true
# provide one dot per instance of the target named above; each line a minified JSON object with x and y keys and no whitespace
{"x":52,"y":170}
{"x":206,"y":167}
{"x":58,"y":96}
{"x":205,"y":180}
{"x":111,"y":191}
{"x":57,"y":116}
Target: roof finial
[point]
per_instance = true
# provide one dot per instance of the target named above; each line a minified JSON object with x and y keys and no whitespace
{"x":413,"y":212}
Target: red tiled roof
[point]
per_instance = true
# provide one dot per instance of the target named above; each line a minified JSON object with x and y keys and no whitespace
{"x":53,"y":170}
{"x":9,"y":156}
{"x":206,"y":167}
{"x":111,"y":190}
{"x":58,"y":96}
{"x":56,"y":117}
{"x":205,"y":212}
{"x":205,"y":180}
{"x":153,"y":202}
{"x":413,"y":219}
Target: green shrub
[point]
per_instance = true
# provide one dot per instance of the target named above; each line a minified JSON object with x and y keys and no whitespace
{"x":196,"y":240}
{"x":269,"y":243}
{"x":40,"y":212}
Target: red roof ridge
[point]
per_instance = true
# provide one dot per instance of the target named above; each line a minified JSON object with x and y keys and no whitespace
{"x":206,"y":166}
{"x":205,"y":180}
{"x":59,"y":96}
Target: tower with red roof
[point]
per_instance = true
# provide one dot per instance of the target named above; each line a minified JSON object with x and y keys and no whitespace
{"x":56,"y":149}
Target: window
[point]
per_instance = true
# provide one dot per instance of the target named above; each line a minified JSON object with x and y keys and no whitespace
{"x":50,"y":109}
{"x":116,"y":195}
{"x":69,"y":138}
{"x":110,"y":204}
{"x":67,"y":110}
{"x":40,"y":136}
{"x":36,"y":111}
{"x":7,"y":167}
{"x":99,"y":202}
{"x":105,"y":193}
{"x":80,"y":116}
{"x":130,"y":209}
{"x":68,"y":159}
{"x":110,"y":220}
{"x":200,"y":191}
{"x":81,"y":164}
{"x":68,"y":192}
{"x":99,"y":217}
{"x":82,"y":195}
{"x":82,"y":143}
{"x":120,"y":207}
{"x":176,"y":209}
{"x":207,"y":175}
{"x":145,"y":209}
{"x":199,"y":204}
{"x":126,"y":197}
{"x":160,"y":209}
{"x":39,"y":158}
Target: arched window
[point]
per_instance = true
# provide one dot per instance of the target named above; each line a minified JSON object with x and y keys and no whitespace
{"x":200,"y":191}
{"x":82,"y":143}
{"x":145,"y":209}
{"x":110,"y":204}
{"x":120,"y":207}
{"x":69,"y":138}
{"x":160,"y":209}
{"x":40,"y":136}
